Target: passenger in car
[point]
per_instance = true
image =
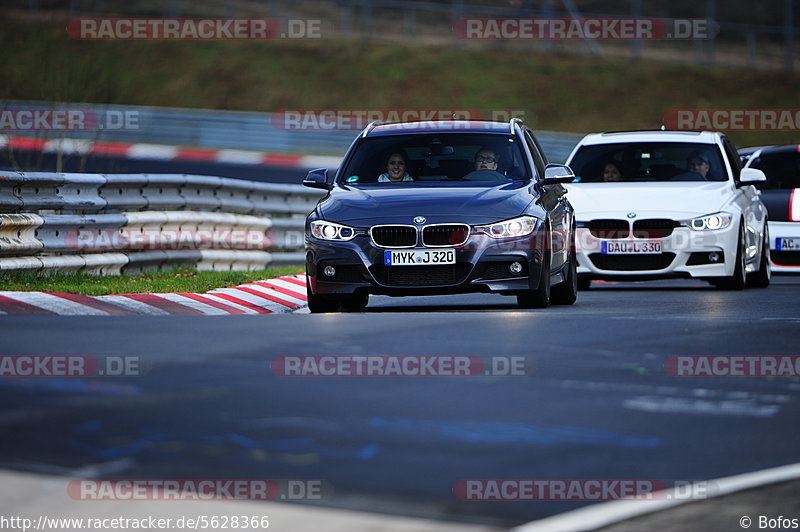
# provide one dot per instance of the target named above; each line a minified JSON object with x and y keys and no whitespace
{"x":486,"y":159}
{"x":699,"y":163}
{"x":612,"y":171}
{"x":396,"y":169}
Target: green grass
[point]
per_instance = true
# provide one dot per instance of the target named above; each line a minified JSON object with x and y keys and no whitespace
{"x":176,"y":280}
{"x":556,"y":92}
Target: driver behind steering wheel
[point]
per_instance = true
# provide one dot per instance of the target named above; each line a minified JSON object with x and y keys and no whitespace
{"x":699,"y":163}
{"x":486,"y":159}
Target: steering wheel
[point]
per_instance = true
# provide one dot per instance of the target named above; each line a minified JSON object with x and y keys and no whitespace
{"x":689,"y":176}
{"x":484,"y":175}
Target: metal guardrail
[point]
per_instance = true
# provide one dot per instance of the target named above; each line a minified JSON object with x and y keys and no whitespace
{"x":111,"y":224}
{"x":31,"y":191}
{"x":198,"y":128}
{"x":230,"y":130}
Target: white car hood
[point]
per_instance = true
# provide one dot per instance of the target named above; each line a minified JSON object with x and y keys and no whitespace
{"x":672,"y":200}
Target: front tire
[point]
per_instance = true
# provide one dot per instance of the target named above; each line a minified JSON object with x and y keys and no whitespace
{"x":321,"y":304}
{"x":567,"y":292}
{"x":324,"y":303}
{"x":738,"y":280}
{"x":355,"y":303}
{"x":539,"y":298}
{"x":762,"y":277}
{"x":318,"y":304}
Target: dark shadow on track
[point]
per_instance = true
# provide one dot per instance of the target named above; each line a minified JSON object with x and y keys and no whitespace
{"x":442,"y":308}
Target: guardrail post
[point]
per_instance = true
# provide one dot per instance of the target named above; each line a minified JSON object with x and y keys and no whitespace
{"x":18,"y":234}
{"x":10,"y":193}
{"x":751,"y":47}
{"x":81,"y":192}
{"x":636,"y":44}
{"x":122,"y":191}
{"x":711,"y":15}
{"x":164,"y":191}
{"x":788,"y":17}
{"x":201,"y":192}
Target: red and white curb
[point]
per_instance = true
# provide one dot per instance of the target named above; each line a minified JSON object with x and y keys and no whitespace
{"x":280,"y":295}
{"x":164,"y":152}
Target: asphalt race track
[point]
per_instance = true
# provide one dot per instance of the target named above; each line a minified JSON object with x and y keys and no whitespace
{"x":594,"y":402}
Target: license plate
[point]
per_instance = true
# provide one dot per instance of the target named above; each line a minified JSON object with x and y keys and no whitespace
{"x":646,"y":247}
{"x":419,"y":257}
{"x":787,"y":244}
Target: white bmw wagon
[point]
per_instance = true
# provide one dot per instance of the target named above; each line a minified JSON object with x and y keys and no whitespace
{"x":666,"y":204}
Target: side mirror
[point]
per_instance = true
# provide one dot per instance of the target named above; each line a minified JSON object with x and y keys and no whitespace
{"x":318,"y":179}
{"x":752,"y":175}
{"x":557,"y":173}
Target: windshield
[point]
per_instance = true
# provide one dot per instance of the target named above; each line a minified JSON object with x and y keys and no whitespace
{"x":648,"y":161}
{"x":781,"y":168}
{"x":436,"y":159}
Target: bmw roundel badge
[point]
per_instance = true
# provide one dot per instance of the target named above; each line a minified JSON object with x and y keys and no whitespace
{"x":419,"y":220}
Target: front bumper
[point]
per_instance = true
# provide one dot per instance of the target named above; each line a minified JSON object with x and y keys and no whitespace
{"x":481,"y":266}
{"x":784,"y":261}
{"x":684,"y":253}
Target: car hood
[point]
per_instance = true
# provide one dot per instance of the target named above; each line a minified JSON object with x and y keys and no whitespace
{"x":448,"y":202}
{"x":673,"y":200}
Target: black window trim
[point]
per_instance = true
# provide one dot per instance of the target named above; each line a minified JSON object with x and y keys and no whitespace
{"x":733,"y":158}
{"x":539,"y":159}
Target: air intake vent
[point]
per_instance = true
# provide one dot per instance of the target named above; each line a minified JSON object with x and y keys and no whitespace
{"x":445,"y":235}
{"x":611,"y":229}
{"x":394,"y":236}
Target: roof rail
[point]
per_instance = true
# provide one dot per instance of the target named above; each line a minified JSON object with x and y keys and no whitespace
{"x":623,"y":131}
{"x":513,"y":121}
{"x":370,"y":127}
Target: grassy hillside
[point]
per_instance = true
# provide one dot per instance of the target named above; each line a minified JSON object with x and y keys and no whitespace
{"x":557,"y":93}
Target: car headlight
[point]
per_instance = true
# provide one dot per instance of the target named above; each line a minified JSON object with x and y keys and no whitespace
{"x":711,"y":222}
{"x":515,"y":227}
{"x":331,"y":231}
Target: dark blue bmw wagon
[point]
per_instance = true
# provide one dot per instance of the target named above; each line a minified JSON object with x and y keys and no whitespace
{"x":428,"y":208}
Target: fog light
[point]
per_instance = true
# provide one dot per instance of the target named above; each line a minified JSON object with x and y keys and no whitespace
{"x":515,"y":268}
{"x":713,"y":257}
{"x":329,"y":271}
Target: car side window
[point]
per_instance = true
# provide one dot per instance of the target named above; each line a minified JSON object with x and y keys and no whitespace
{"x":535,"y":153}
